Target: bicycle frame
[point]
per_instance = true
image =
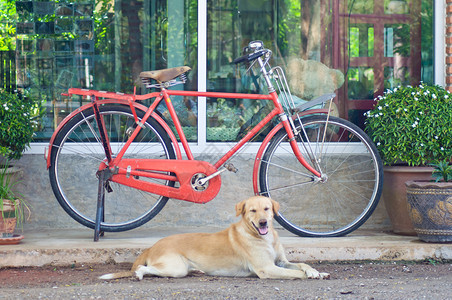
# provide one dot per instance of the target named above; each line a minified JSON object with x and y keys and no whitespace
{"x":124,"y":171}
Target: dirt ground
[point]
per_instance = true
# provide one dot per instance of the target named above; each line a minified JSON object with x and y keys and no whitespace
{"x":430,"y":280}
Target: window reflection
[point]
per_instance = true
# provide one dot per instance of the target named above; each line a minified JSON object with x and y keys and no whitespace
{"x":296,"y":31}
{"x":371,"y":45}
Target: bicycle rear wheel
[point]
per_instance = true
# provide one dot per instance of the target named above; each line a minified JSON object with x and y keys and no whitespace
{"x":337,"y":205}
{"x":77,"y":147}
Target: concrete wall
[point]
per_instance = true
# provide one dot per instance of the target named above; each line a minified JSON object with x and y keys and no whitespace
{"x":47,"y":213}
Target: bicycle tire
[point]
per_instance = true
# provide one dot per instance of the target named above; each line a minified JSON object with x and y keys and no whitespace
{"x":345,"y":200}
{"x":77,"y":146}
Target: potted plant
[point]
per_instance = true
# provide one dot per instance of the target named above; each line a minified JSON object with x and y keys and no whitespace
{"x":18,"y":115}
{"x":411,"y":129}
{"x":430,"y":205}
{"x":12,"y":207}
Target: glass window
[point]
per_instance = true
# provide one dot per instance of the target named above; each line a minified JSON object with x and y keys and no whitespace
{"x":360,"y":7}
{"x":361,"y":40}
{"x":298,"y":34}
{"x":397,"y":40}
{"x":356,"y":48}
{"x":398,"y":7}
{"x":102,"y":45}
{"x":360,"y":83}
{"x":389,"y":43}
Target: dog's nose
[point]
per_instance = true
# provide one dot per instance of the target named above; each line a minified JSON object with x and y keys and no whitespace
{"x":262,"y":223}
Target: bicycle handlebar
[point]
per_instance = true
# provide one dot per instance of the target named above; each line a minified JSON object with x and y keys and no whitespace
{"x":250,"y":56}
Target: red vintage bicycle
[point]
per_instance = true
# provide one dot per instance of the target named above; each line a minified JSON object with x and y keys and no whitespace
{"x":325,"y":171}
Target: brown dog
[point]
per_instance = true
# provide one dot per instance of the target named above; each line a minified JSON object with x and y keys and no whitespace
{"x":249,"y":247}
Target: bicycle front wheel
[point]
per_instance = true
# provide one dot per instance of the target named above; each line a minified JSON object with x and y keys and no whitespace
{"x":77,"y":154}
{"x":349,"y":191}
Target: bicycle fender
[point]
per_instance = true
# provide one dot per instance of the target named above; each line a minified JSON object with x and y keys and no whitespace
{"x":267,"y":140}
{"x":112,"y":101}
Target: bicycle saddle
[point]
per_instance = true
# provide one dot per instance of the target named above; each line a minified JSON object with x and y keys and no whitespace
{"x":165,"y":74}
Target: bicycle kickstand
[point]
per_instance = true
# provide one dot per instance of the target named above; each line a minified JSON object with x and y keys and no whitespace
{"x":100,"y":213}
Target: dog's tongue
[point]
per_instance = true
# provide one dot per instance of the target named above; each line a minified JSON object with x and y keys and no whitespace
{"x":263,"y":230}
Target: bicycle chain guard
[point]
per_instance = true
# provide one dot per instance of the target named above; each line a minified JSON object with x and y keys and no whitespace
{"x":134,"y":172}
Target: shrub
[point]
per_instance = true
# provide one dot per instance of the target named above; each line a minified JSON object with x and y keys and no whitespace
{"x":412,"y":125}
{"x":17,"y":114}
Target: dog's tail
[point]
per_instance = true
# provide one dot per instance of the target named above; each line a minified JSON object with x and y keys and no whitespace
{"x":141,"y":260}
{"x":117,"y":275}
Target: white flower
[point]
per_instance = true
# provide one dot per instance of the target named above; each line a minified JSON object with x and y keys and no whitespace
{"x":422,"y":145}
{"x":442,"y":149}
{"x":405,"y":109}
{"x":415,"y":124}
{"x":433,"y":96}
{"x":425,"y":94}
{"x":421,"y":112}
{"x":380,"y":108}
{"x":446,"y":97}
{"x":378,"y":144}
{"x":415,"y":98}
{"x":436,"y":137}
{"x":421,"y":86}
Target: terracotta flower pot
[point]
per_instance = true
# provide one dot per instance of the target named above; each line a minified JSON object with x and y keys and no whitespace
{"x":8,"y":219}
{"x":430,"y":209}
{"x":394,"y":195}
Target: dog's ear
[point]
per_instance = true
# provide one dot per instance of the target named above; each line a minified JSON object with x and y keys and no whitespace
{"x":275,"y":207}
{"x":240,"y":208}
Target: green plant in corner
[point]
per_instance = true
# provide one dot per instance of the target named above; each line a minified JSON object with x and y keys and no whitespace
{"x":411,"y":125}
{"x":11,"y":198}
{"x":442,"y":171}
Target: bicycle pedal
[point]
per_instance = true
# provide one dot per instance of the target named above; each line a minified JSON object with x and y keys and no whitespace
{"x":230,"y":167}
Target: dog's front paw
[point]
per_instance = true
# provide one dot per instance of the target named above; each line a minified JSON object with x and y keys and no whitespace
{"x":312,"y":273}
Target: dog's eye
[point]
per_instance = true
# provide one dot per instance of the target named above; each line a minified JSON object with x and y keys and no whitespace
{"x":267,"y":208}
{"x":252,"y":210}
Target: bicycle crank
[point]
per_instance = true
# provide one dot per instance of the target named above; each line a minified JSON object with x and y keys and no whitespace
{"x":201,"y":181}
{"x":198,"y":182}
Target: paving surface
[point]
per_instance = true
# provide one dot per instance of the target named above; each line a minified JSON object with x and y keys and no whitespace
{"x":67,"y":247}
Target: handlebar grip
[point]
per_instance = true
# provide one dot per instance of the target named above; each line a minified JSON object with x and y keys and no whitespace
{"x":250,"y":57}
{"x":240,"y":59}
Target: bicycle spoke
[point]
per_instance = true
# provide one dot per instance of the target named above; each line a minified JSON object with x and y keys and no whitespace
{"x":78,"y":146}
{"x":347,"y":194}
